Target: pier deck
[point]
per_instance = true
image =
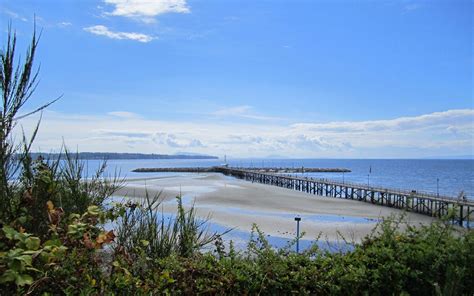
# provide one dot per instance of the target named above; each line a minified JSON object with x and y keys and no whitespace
{"x":253,"y":169}
{"x":460,"y":211}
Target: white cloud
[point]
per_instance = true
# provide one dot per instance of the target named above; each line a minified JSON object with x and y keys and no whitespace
{"x":124,"y":114}
{"x":243,"y":111}
{"x":146,"y":10}
{"x":411,"y":7}
{"x":125,"y":134}
{"x":176,"y":141}
{"x":459,"y":117}
{"x":14,"y":15}
{"x":441,"y":133}
{"x":64,"y":24}
{"x":104,"y":31}
{"x":233,"y":111}
{"x":171,"y":140}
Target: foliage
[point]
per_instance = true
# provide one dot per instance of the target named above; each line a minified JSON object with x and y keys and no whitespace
{"x":425,"y":260}
{"x":66,"y":257}
{"x":60,"y":181}
{"x":17,"y":84}
{"x":421,"y":260}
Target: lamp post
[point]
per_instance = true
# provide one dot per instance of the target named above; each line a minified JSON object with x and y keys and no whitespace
{"x":297,"y":219}
{"x":368,"y":177}
{"x":342,"y":177}
{"x":437,"y":187}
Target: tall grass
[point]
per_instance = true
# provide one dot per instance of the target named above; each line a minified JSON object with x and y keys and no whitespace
{"x":144,"y":228}
{"x":81,"y":189}
{"x":18,"y":81}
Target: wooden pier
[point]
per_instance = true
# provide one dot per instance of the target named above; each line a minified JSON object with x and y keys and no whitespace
{"x":459,"y":210}
{"x":176,"y":170}
{"x":253,"y":169}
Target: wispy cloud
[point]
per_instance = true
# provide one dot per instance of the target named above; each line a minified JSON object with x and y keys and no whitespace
{"x":64,"y":24}
{"x":175,"y":141}
{"x":446,"y":118}
{"x":146,"y":10}
{"x":243,"y":111}
{"x":233,"y":111}
{"x":104,"y":31}
{"x":126,"y":134}
{"x":39,"y":20}
{"x":14,"y":15}
{"x":169,"y":140}
{"x":409,"y":7}
{"x":124,"y":114}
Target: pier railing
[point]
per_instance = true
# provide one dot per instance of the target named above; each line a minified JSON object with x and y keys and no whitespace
{"x":377,"y":187}
{"x":458,"y":210}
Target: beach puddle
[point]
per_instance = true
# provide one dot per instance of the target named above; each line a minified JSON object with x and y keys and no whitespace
{"x":231,"y":186}
{"x":305,"y":217}
{"x":194,"y":189}
{"x":241,"y":238}
{"x":189,"y":200}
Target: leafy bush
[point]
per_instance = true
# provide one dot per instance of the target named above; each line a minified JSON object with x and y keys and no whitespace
{"x":423,"y":260}
{"x":67,"y":256}
{"x":433,"y":259}
{"x":60,"y":181}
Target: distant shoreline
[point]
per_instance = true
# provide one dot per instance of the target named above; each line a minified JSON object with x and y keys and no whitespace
{"x":113,"y":155}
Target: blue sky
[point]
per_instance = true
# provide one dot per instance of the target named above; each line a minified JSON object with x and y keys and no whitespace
{"x":254,"y":78}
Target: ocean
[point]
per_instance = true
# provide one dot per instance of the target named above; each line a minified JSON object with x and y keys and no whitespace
{"x":447,"y":177}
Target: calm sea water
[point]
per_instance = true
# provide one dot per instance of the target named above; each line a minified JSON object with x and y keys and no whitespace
{"x":447,"y":176}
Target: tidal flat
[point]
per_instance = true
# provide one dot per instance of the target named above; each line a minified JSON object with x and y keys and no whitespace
{"x":238,"y":204}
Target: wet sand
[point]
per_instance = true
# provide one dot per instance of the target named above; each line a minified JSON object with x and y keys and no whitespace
{"x":238,"y":204}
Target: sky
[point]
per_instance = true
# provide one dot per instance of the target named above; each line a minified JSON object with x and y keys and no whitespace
{"x":299,"y":79}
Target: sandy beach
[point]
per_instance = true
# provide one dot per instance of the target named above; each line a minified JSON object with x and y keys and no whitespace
{"x":238,"y":204}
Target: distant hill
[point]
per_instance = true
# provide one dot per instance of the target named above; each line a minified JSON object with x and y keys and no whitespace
{"x":451,"y":157}
{"x":113,"y":155}
{"x":190,"y":154}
